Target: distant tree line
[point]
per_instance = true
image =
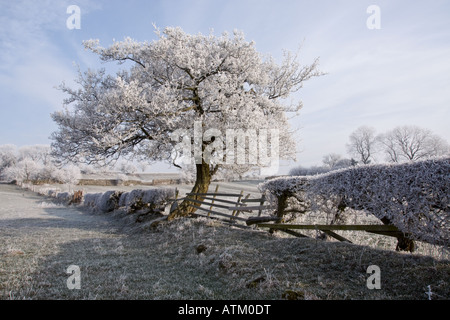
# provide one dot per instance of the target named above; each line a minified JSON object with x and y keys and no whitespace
{"x":401,"y":144}
{"x":35,"y":164}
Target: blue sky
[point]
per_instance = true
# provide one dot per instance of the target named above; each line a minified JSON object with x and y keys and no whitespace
{"x":396,"y":75}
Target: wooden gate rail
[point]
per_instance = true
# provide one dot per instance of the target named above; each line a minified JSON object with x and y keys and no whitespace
{"x":387,"y":230}
{"x":231,"y":208}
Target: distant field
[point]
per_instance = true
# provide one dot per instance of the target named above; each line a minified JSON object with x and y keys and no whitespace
{"x":248,"y":186}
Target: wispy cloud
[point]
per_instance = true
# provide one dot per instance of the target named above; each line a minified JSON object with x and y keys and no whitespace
{"x":32,"y":63}
{"x":31,"y":60}
{"x":384,"y":78}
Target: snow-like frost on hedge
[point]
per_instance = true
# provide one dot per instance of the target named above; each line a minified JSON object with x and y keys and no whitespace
{"x":92,"y":199}
{"x":158,"y":196}
{"x":412,"y":196}
{"x":130,"y":201}
{"x":63,"y":197}
{"x":123,"y":199}
{"x":134,"y":198}
{"x":109,"y":201}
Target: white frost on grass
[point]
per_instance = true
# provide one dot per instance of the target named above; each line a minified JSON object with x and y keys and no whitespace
{"x":46,"y":205}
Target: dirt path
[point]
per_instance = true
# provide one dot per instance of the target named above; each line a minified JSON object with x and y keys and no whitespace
{"x":39,"y":241}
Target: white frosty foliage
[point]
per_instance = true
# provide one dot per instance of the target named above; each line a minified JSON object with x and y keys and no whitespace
{"x":130,"y":201}
{"x":415,"y":197}
{"x":411,"y":143}
{"x":63,"y":197}
{"x":281,"y":185}
{"x":158,"y":196}
{"x":69,"y":174}
{"x":8,"y":158}
{"x":92,"y":199}
{"x":102,"y":202}
{"x":46,"y":205}
{"x":34,"y":163}
{"x":108,"y":201}
{"x":223,"y":82}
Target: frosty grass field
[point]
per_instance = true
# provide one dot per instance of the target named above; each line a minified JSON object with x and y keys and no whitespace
{"x":121,"y":259}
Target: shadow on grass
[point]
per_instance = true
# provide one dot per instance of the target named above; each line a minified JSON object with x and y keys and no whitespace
{"x":165,"y":265}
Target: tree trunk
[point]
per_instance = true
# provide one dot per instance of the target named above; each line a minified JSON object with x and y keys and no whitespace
{"x":202,"y":182}
{"x":282,"y":204}
{"x":403,"y":243}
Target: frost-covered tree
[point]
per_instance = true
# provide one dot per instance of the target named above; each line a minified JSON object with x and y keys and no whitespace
{"x":69,"y":174}
{"x":177,"y":88}
{"x":363,"y":144}
{"x":8,"y":158}
{"x":25,"y":170}
{"x":27,"y":163}
{"x":40,"y":153}
{"x":308,"y":171}
{"x":330,"y":160}
{"x":412,"y":143}
{"x":334,"y":161}
{"x":34,"y":163}
{"x":127,"y":167}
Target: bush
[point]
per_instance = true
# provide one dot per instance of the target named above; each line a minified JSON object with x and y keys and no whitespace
{"x":415,"y":197}
{"x":151,"y":199}
{"x":109,"y":201}
{"x":135,"y":200}
{"x":63,"y":197}
{"x":302,"y":171}
{"x":92,"y":199}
